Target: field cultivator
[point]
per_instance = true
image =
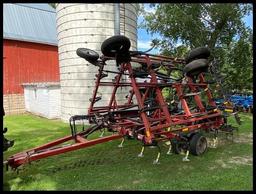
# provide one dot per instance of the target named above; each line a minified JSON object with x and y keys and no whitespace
{"x":168,"y":100}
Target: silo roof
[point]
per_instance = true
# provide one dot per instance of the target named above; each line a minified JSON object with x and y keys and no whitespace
{"x":31,"y":22}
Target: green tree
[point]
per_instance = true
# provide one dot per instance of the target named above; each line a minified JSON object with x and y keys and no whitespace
{"x":218,"y":26}
{"x":239,"y":65}
{"x":197,"y":24}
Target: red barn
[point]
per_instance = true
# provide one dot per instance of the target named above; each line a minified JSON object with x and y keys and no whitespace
{"x":30,"y":52}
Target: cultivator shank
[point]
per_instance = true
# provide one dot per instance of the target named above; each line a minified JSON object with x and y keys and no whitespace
{"x":146,"y":114}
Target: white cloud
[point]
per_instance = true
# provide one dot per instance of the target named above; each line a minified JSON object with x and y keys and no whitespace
{"x":144,"y":44}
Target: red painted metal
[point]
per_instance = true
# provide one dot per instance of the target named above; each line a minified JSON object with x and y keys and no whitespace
{"x":26,"y":62}
{"x":207,"y":90}
{"x":140,"y":104}
{"x":159,"y":94}
{"x":28,"y":156}
{"x":183,"y":101}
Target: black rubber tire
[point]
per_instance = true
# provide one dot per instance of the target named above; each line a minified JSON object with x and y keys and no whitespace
{"x":196,"y":67}
{"x":175,"y":147}
{"x":197,"y":53}
{"x":87,"y":54}
{"x":197,"y":144}
{"x":115,"y":44}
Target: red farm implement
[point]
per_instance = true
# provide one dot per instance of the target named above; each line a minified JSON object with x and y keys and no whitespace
{"x":180,"y":118}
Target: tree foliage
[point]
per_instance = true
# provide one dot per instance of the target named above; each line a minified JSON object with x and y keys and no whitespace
{"x":217,"y":26}
{"x":239,"y":65}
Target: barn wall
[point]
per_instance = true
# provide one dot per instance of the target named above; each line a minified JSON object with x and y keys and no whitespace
{"x":28,"y":62}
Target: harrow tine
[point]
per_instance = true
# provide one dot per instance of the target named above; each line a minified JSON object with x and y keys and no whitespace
{"x":156,"y":161}
{"x":185,"y":159}
{"x":215,"y":142}
{"x":102,"y":133}
{"x":121,"y":144}
{"x":142,"y":151}
{"x":169,"y":152}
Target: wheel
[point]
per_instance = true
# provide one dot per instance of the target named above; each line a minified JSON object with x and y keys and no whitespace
{"x":176,"y":147}
{"x":197,"y":53}
{"x":198,"y":144}
{"x":115,"y":44}
{"x":196,"y":67}
{"x":87,"y":54}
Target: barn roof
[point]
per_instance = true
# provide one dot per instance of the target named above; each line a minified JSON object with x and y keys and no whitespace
{"x":32,"y":22}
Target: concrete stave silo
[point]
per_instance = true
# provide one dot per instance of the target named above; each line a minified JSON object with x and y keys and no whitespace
{"x":87,"y":26}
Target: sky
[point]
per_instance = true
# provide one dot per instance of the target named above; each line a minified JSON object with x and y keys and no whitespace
{"x":144,"y":38}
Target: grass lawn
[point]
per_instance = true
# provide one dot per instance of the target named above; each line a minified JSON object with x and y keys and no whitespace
{"x":107,"y":167}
